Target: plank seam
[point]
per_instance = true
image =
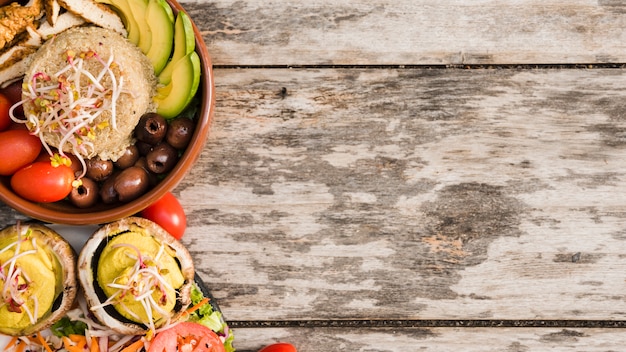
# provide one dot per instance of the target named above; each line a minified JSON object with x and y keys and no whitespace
{"x":408,"y":67}
{"x":385,"y":323}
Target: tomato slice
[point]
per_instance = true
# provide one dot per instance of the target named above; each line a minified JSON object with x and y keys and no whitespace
{"x":187,"y":336}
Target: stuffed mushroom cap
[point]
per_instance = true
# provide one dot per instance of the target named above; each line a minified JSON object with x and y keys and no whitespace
{"x":37,"y":278}
{"x":135,"y":276}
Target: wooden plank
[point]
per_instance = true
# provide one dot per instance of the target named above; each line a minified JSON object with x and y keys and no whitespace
{"x":434,"y":339}
{"x":413,"y":194}
{"x":408,"y":32}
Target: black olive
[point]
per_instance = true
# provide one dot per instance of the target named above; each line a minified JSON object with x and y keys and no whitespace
{"x":151,"y":128}
{"x":108,"y":194}
{"x":179,"y":132}
{"x":98,"y":169}
{"x":143,"y":163}
{"x":131,"y":183}
{"x":85,"y":195}
{"x":162,"y":158}
{"x":143,"y":147}
{"x":128,"y":159}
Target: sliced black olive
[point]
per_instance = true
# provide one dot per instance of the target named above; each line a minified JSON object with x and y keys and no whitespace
{"x":85,"y":195}
{"x":151,"y":128}
{"x":162,"y":158}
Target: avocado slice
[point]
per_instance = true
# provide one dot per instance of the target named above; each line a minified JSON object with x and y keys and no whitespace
{"x":174,"y":97}
{"x":138,"y":9}
{"x":160,"y":19}
{"x":184,"y":43}
{"x":122,"y":7}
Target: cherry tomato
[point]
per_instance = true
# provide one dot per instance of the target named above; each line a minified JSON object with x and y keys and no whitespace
{"x":279,"y":347}
{"x":168,"y":213}
{"x":13,"y":91}
{"x":42,"y":182}
{"x":187,"y":336}
{"x":5,"y":119}
{"x":18,"y":148}
{"x":75,"y":164}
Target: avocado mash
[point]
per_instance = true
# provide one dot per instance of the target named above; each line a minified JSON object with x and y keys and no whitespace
{"x":31,"y":278}
{"x":140,"y":276}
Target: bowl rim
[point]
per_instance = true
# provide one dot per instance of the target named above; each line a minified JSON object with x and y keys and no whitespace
{"x":45,"y":213}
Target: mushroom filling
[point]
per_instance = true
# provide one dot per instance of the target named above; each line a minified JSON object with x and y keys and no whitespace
{"x":30,"y":278}
{"x":140,"y":277}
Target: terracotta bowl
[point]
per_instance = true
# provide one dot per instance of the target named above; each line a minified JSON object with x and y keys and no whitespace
{"x":63,"y":212}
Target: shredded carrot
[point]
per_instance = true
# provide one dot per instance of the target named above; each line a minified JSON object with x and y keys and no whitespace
{"x":133,"y":347}
{"x":11,"y":343}
{"x":43,"y":342}
{"x":197,"y":306}
{"x":78,"y":338}
{"x":74,"y":343}
{"x":95,"y":347}
{"x":21,"y":346}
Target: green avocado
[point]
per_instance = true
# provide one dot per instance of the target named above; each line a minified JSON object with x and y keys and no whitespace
{"x":38,"y":273}
{"x":138,"y":10}
{"x":122,"y":7}
{"x":121,"y":272}
{"x":184,"y":43}
{"x":174,"y":97}
{"x":160,"y":19}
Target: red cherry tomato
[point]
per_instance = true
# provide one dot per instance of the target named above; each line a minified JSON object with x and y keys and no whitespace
{"x":42,"y":182}
{"x":14,"y":93}
{"x":5,"y":119}
{"x":187,"y":336}
{"x":75,"y":164}
{"x":279,"y":347}
{"x":168,"y":213}
{"x":18,"y":148}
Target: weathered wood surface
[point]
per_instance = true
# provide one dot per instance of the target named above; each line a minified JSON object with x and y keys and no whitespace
{"x":413,"y":194}
{"x":408,"y":32}
{"x":387,"y":193}
{"x":418,"y":194}
{"x":436,"y":339}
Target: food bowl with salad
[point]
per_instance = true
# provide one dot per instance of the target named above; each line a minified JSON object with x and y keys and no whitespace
{"x":107,"y":110}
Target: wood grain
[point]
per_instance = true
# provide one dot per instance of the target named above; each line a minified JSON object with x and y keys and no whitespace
{"x":407,"y":32}
{"x":412,"y":194}
{"x":435,"y":339}
{"x":416,"y":194}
